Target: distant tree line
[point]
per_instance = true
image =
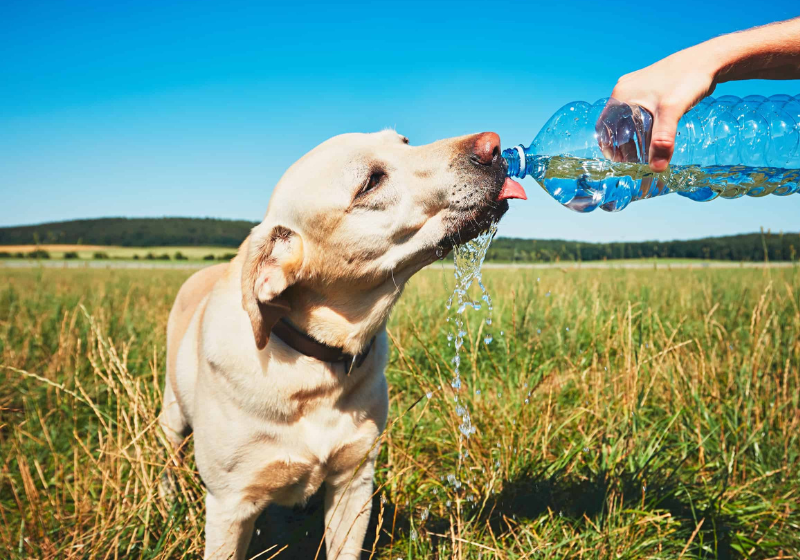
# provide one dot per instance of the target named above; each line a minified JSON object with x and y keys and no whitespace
{"x":171,"y":232}
{"x":747,"y":247}
{"x":132,"y":232}
{"x":101,"y":255}
{"x":37,"y":254}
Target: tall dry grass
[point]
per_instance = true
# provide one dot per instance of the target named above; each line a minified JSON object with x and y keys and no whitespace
{"x":626,"y":414}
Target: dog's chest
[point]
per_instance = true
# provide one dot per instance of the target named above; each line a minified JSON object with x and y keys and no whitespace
{"x":278,"y":425}
{"x":320,"y":445}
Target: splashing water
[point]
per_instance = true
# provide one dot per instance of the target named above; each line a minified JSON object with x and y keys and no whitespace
{"x":468,"y":260}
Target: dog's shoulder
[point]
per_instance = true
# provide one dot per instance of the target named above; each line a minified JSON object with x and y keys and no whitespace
{"x":189,"y":297}
{"x":197,"y":287}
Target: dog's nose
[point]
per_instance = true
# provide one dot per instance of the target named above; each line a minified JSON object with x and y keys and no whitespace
{"x":486,"y":148}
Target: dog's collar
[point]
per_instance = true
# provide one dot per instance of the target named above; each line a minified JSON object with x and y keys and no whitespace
{"x":312,"y":348}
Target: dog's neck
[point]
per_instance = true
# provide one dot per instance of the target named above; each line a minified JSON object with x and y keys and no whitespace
{"x":346,"y":319}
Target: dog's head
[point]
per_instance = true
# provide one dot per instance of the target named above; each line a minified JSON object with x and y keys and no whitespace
{"x":354,"y":218}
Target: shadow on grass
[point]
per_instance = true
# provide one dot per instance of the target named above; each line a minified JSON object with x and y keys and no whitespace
{"x":533,"y":494}
{"x":301,"y":529}
{"x":528,"y":496}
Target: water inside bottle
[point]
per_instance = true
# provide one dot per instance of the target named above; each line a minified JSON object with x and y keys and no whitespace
{"x":586,"y":184}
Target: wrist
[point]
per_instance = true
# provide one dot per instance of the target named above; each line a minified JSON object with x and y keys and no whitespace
{"x":714,"y":58}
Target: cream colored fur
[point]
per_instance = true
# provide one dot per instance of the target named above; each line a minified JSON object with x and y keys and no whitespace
{"x":271,"y":425}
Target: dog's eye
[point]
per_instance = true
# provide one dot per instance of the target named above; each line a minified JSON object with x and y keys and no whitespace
{"x":375,"y":179}
{"x":405,"y":140}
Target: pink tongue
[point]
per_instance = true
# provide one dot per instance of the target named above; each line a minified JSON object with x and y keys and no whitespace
{"x":511,"y":189}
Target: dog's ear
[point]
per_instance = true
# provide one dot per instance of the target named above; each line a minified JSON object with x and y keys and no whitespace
{"x":272,"y":263}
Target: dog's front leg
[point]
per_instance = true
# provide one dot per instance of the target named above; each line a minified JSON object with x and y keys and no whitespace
{"x":229,"y":527}
{"x":348,"y":503}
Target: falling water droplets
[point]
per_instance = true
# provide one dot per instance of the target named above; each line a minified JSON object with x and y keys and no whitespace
{"x":468,"y":259}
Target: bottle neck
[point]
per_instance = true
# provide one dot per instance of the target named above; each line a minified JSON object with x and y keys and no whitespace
{"x":515,"y":160}
{"x":522,"y":162}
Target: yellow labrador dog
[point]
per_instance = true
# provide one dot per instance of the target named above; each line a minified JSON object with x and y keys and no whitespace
{"x":276,"y":360}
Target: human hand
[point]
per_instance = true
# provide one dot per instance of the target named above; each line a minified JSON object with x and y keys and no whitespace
{"x":672,"y":86}
{"x":668,"y":89}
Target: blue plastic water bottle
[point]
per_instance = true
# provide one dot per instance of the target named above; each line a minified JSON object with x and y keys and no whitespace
{"x":590,"y":156}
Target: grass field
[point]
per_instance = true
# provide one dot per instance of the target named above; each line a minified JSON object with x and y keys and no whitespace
{"x":621,"y":414}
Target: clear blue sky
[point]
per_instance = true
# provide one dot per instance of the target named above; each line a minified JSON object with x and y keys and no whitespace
{"x":196,"y":109}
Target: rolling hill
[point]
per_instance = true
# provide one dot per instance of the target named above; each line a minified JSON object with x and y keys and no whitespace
{"x":132,"y":232}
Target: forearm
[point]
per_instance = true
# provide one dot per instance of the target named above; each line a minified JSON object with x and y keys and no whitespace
{"x":673,"y":85}
{"x":770,"y":52}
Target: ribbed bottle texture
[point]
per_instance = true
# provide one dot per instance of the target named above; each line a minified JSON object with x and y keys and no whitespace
{"x":590,"y":156}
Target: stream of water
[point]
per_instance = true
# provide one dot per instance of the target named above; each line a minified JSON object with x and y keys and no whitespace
{"x":468,"y":259}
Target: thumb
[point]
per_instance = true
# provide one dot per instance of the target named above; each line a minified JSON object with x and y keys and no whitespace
{"x":662,"y":139}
